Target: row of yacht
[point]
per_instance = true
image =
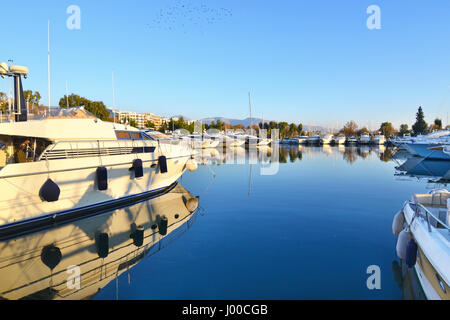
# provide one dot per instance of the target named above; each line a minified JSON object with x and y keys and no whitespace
{"x":216,"y":140}
{"x":330,"y":139}
{"x":435,"y":145}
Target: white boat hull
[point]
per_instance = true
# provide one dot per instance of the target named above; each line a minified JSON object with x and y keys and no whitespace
{"x":20,"y":183}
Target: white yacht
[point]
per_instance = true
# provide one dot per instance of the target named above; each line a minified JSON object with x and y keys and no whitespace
{"x":340,"y":140}
{"x":379,"y":139}
{"x":314,"y":139}
{"x":352,"y":140}
{"x":364,"y":139}
{"x":285,"y":141}
{"x":446,"y":150}
{"x":198,"y":141}
{"x":327,"y":139}
{"x":256,"y":141}
{"x":234,"y":140}
{"x":431,"y":148}
{"x":68,"y":163}
{"x":424,"y":242}
{"x":407,"y":139}
{"x":302,"y":139}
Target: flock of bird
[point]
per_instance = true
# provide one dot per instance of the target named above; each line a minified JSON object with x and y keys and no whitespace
{"x":187,"y":16}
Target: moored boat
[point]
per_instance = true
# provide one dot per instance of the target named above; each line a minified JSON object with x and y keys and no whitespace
{"x":364,"y":139}
{"x":423,"y":242}
{"x":314,"y":139}
{"x":339,"y":140}
{"x":327,"y":139}
{"x":69,"y":163}
{"x":379,"y":139}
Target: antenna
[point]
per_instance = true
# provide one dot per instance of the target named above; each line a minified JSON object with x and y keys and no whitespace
{"x":113,"y":98}
{"x":250,"y":106}
{"x":262,"y":121}
{"x":49,"y":95}
{"x":9,"y":88}
{"x":67,"y":94}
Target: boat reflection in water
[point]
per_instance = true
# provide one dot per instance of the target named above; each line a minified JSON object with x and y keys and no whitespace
{"x":45,"y":264}
{"x":288,"y":154}
{"x":408,"y":282}
{"x":437,"y":171}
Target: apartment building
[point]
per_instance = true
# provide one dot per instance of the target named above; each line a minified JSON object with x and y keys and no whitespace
{"x":140,"y":118}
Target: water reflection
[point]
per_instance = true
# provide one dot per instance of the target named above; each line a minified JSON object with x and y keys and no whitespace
{"x":408,"y":282}
{"x":435,"y":171}
{"x":290,"y":154}
{"x":44,"y":265}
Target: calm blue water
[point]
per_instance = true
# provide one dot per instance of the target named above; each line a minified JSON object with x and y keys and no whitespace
{"x":308,"y":232}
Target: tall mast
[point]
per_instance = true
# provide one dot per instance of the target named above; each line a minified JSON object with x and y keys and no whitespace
{"x":49,"y":95}
{"x":67,"y":94}
{"x":9,"y":90}
{"x":114,"y":98}
{"x":250,"y":106}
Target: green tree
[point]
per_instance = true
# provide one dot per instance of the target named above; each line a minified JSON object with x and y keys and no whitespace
{"x":149,"y":124}
{"x":97,"y":108}
{"x":32,"y":97}
{"x":387,"y":129}
{"x":293,"y":130}
{"x":164,"y":127}
{"x":284,"y":129}
{"x":363,"y":131}
{"x":300,"y":128}
{"x":3,"y":102}
{"x":437,"y":124}
{"x":404,"y":129}
{"x":132,"y":123}
{"x":420,"y":127}
{"x":350,"y":129}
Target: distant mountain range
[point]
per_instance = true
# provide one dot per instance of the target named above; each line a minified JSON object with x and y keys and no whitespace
{"x":246,"y":122}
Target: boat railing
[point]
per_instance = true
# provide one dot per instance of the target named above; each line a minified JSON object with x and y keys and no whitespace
{"x":421,"y":210}
{"x":101,"y":148}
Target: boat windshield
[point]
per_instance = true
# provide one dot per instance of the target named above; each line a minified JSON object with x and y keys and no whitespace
{"x":21,"y":149}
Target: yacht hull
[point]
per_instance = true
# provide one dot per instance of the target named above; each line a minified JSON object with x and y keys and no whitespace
{"x":432,"y":257}
{"x":21,"y":204}
{"x":423,"y":150}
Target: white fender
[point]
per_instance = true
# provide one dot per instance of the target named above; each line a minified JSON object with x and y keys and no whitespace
{"x":402,"y":243}
{"x":192,"y":204}
{"x":398,"y":222}
{"x":191,"y":165}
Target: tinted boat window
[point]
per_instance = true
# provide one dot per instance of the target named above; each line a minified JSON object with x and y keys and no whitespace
{"x":136,"y":135}
{"x":122,"y":135}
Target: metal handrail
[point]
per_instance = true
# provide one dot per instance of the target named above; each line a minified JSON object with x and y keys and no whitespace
{"x":428,"y":213}
{"x":51,"y":147}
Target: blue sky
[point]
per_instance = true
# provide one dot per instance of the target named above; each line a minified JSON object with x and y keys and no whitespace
{"x":313,"y":62}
